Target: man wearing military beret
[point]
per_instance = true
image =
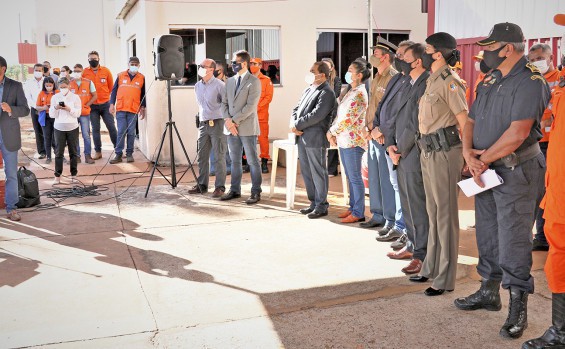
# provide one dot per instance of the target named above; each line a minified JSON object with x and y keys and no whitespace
{"x":502,"y":133}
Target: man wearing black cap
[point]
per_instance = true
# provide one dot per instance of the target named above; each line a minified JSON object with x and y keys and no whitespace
{"x":502,"y":134}
{"x":442,"y":108}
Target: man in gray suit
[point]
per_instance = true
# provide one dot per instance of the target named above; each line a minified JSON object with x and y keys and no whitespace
{"x":311,"y":120}
{"x":14,"y":105}
{"x":239,"y":106}
{"x":406,"y":156}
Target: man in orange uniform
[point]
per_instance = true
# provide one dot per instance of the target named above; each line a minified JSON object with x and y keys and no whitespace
{"x":541,"y":56}
{"x":127,"y":100}
{"x":263,"y":111}
{"x":554,"y":215}
{"x":86,"y":90}
{"x":458,"y":68}
{"x":102,"y":78}
{"x":479,"y":67}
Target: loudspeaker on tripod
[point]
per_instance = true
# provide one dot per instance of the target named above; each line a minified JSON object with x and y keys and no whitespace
{"x":168,"y":55}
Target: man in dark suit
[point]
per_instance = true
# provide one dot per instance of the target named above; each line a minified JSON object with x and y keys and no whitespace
{"x":14,"y":105}
{"x":311,"y":120}
{"x":406,"y":156}
{"x":239,"y":106}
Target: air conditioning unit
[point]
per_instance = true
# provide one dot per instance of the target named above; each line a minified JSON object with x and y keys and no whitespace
{"x":57,"y":39}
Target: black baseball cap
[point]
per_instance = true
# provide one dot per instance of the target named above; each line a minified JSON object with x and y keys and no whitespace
{"x":442,"y":40}
{"x":507,"y":32}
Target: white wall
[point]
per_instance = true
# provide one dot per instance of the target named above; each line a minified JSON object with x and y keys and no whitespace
{"x":298,"y":22}
{"x":475,"y":18}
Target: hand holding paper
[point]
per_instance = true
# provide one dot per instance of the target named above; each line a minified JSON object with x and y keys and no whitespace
{"x":489,"y":178}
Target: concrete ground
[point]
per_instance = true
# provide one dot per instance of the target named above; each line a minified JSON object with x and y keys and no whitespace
{"x":176,"y":271}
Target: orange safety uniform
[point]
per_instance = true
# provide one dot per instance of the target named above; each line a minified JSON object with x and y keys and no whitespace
{"x":263,"y":114}
{"x":553,"y":80}
{"x":83,"y":91}
{"x":103,"y":82}
{"x":128,"y":96}
{"x":554,"y":201}
{"x":44,"y":99}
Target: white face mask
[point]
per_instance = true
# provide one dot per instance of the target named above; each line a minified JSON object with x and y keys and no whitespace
{"x":63,"y":75}
{"x":133,"y":69}
{"x":64,"y":91}
{"x":310,"y":78}
{"x":202,"y":72}
{"x":542,"y":66}
{"x":37,"y":74}
{"x":478,"y":66}
{"x":76,"y":75}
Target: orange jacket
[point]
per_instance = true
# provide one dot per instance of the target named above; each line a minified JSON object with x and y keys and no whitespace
{"x":553,"y":80}
{"x":103,"y":82}
{"x":554,"y":200}
{"x":266,"y":97}
{"x":84,"y":94}
{"x":44,"y":99}
{"x":128,"y":97}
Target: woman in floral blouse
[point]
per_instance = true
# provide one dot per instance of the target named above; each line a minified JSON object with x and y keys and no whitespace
{"x":347,"y":132}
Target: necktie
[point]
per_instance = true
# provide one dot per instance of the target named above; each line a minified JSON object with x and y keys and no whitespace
{"x":237,"y":85}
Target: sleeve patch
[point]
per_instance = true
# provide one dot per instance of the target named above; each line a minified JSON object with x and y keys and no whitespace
{"x":453,"y":86}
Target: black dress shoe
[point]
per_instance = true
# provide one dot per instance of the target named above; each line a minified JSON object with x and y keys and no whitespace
{"x":418,"y":278}
{"x":42,"y":156}
{"x":370,"y":224}
{"x":230,"y":195}
{"x":430,"y":291}
{"x":316,"y":214}
{"x":539,"y":246}
{"x":306,"y":210}
{"x":253,"y":199}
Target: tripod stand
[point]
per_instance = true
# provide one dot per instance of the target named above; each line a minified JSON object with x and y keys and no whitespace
{"x":170,"y":125}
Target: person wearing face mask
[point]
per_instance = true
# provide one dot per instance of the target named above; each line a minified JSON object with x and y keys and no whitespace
{"x":263,"y":111}
{"x":479,"y":67}
{"x":335,"y":83}
{"x":458,"y":69}
{"x":13,"y":106}
{"x":32,"y":87}
{"x":65,"y":72}
{"x":65,"y":109}
{"x":502,"y":133}
{"x":47,"y":72}
{"x":211,"y":138}
{"x":347,"y":132}
{"x":310,"y":121}
{"x":43,"y":105}
{"x":103,"y":81}
{"x":405,"y":155}
{"x":220,"y":74}
{"x":127,"y":101}
{"x":442,"y":112}
{"x":86,"y":91}
{"x":239,"y":106}
{"x":541,"y":56}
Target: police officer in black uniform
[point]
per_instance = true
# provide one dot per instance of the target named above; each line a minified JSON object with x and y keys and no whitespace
{"x":502,"y":134}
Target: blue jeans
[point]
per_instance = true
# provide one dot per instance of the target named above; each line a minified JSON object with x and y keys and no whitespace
{"x":540,"y":222}
{"x":236,"y":145}
{"x":49,"y":137}
{"x":398,"y":218}
{"x":315,"y":174}
{"x":84,"y":122}
{"x":11,"y":170}
{"x":351,"y":158}
{"x":381,"y":192}
{"x":213,"y":165}
{"x":126,"y":127}
{"x":97,"y":111}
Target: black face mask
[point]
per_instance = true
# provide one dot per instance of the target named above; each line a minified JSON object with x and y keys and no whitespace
{"x":236,"y":67}
{"x":406,"y":67}
{"x":398,"y":63}
{"x":216,"y":73}
{"x":93,"y":63}
{"x":491,"y":58}
{"x":45,"y":70}
{"x":484,"y":67}
{"x":427,"y":60}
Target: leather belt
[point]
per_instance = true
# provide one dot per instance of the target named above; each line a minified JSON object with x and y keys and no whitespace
{"x":517,"y":158}
{"x":209,"y":122}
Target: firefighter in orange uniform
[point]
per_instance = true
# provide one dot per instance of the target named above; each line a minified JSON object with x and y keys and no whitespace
{"x":541,"y":56}
{"x":553,"y":203}
{"x":263,"y":111}
{"x":127,"y":101}
{"x":458,"y":68}
{"x":86,"y":91}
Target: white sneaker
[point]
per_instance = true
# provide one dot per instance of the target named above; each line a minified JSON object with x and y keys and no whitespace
{"x":57,"y":180}
{"x":74,"y":179}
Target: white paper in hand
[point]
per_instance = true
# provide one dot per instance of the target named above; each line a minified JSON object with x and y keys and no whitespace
{"x":490,"y":179}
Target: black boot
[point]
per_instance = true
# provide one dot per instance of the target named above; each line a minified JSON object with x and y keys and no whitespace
{"x":264,"y":167}
{"x":487,"y":297}
{"x":554,"y":337}
{"x":517,"y":320}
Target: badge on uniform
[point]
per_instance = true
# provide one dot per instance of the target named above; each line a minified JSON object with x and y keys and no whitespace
{"x":211,"y":123}
{"x":453,"y":87}
{"x":124,"y":82}
{"x":102,"y":80}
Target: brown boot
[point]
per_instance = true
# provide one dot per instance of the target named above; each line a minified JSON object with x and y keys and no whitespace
{"x":97,"y":155}
{"x":88,"y":159}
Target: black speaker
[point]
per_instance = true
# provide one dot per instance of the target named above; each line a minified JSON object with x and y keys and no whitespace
{"x":169,"y":57}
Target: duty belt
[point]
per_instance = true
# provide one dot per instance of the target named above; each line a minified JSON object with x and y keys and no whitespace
{"x":441,"y":140}
{"x":517,"y":158}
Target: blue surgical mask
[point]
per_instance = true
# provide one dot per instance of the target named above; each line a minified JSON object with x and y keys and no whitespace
{"x":236,"y":67}
{"x":348,"y":78}
{"x":133,"y":69}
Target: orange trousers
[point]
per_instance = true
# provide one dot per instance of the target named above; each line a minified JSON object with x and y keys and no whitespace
{"x":264,"y":139}
{"x":555,"y":264}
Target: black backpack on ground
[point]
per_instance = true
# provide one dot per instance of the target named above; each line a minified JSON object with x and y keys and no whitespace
{"x":28,"y":189}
